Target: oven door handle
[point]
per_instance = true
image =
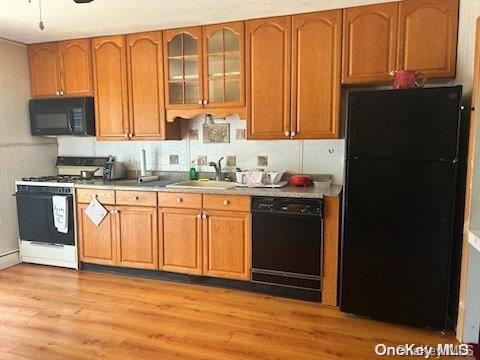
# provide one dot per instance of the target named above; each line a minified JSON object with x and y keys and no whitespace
{"x":39,"y":195}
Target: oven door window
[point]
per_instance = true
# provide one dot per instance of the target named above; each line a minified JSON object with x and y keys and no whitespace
{"x":35,"y":219}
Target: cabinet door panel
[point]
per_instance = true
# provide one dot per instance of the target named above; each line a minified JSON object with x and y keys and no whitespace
{"x":180,"y":234}
{"x":97,"y":243}
{"x":110,"y":81}
{"x":137,"y":237}
{"x":227,"y":245}
{"x":76,"y":67}
{"x":316,"y":64}
{"x":223,"y":62}
{"x":145,"y":80}
{"x":44,"y":69}
{"x":369,"y":43}
{"x":183,"y":68}
{"x":268,"y":50}
{"x":428,"y":37}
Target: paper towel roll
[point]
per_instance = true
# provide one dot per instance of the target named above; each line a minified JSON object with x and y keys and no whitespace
{"x":143,"y":164}
{"x":145,"y":179}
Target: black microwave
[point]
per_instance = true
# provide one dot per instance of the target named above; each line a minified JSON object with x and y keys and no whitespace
{"x":63,"y":116}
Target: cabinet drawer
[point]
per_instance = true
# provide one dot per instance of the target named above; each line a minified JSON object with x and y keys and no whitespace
{"x":105,"y":197}
{"x":226,"y":202}
{"x":138,"y":198}
{"x":180,"y":200}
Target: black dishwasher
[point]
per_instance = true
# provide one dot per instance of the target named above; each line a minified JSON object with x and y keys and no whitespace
{"x":287,"y":242}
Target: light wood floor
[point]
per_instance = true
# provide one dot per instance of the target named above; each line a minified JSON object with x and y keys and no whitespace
{"x":50,"y":313}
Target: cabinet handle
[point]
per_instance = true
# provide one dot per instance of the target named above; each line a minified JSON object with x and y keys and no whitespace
{"x":137,"y":198}
{"x":199,"y":216}
{"x":57,"y":93}
{"x":225,"y":202}
{"x":205,"y":102}
{"x":204,"y":216}
{"x":287,"y":133}
{"x":62,"y":92}
{"x":179,"y":200}
{"x":292,"y":134}
{"x":130,"y":135}
{"x":200,"y":102}
{"x":126,"y":135}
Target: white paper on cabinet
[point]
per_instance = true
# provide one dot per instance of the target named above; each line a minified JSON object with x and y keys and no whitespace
{"x":96,"y":212}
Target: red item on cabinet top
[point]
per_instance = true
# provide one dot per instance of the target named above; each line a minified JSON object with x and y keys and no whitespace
{"x":407,"y":79}
{"x":301,"y":180}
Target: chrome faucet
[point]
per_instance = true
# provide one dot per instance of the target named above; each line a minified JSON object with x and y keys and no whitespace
{"x":218,"y":169}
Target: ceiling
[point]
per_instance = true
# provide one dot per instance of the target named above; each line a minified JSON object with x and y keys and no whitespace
{"x":65,"y":19}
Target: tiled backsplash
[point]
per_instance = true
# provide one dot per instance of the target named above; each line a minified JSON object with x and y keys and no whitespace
{"x":302,"y":156}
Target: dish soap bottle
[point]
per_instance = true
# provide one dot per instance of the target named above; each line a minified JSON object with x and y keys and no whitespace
{"x":193,"y":173}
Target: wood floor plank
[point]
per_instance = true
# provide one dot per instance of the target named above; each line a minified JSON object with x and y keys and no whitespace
{"x":53,"y":313}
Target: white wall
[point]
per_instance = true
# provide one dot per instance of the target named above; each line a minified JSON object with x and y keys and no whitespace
{"x":20,"y":153}
{"x":469,"y":12}
{"x":308,"y":156}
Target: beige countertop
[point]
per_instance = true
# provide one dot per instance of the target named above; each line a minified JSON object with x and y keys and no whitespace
{"x":315,"y":192}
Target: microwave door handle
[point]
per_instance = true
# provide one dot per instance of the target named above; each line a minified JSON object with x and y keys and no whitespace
{"x":70,"y":118}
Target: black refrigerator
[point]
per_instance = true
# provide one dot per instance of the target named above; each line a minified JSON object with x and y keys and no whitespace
{"x":403,"y":205}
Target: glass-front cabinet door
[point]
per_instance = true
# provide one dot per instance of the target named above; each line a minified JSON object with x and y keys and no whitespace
{"x":223,"y":61}
{"x":183,"y":68}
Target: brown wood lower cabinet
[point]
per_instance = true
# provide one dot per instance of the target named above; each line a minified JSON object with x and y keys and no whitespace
{"x":180,"y":240}
{"x":97,"y":243}
{"x":127,"y":237}
{"x":227,"y":244}
{"x":137,"y":237}
{"x":179,"y":236}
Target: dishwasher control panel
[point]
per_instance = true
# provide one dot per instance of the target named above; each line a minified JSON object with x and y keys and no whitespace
{"x":299,"y":206}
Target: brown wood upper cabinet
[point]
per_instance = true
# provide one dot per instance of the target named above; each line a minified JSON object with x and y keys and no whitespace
{"x":223,"y":65}
{"x":204,"y":67}
{"x":146,"y":88}
{"x":268,"y":50}
{"x":316,"y":69}
{"x":428,"y":37}
{"x":294,"y":61}
{"x":369,"y":43}
{"x":110,"y":81}
{"x":61,"y":69}
{"x":129,"y":98}
{"x":183,"y":68}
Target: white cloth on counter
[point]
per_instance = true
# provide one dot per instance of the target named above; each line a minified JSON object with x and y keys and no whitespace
{"x":60,"y":213}
{"x":95,"y":211}
{"x":254,"y":178}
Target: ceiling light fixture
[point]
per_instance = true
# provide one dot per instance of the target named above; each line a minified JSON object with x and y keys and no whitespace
{"x":40,"y":22}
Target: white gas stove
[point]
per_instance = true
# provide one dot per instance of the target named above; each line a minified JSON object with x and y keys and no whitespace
{"x":41,"y":241}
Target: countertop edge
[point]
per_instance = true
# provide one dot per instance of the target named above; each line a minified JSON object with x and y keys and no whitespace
{"x":288,"y":191}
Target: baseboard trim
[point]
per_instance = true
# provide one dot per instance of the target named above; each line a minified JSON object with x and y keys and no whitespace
{"x":308,"y":295}
{"x":9,"y":260}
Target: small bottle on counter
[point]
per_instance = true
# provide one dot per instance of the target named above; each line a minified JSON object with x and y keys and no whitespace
{"x":193,"y":173}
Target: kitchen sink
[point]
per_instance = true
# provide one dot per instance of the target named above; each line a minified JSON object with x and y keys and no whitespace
{"x":203,"y":184}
